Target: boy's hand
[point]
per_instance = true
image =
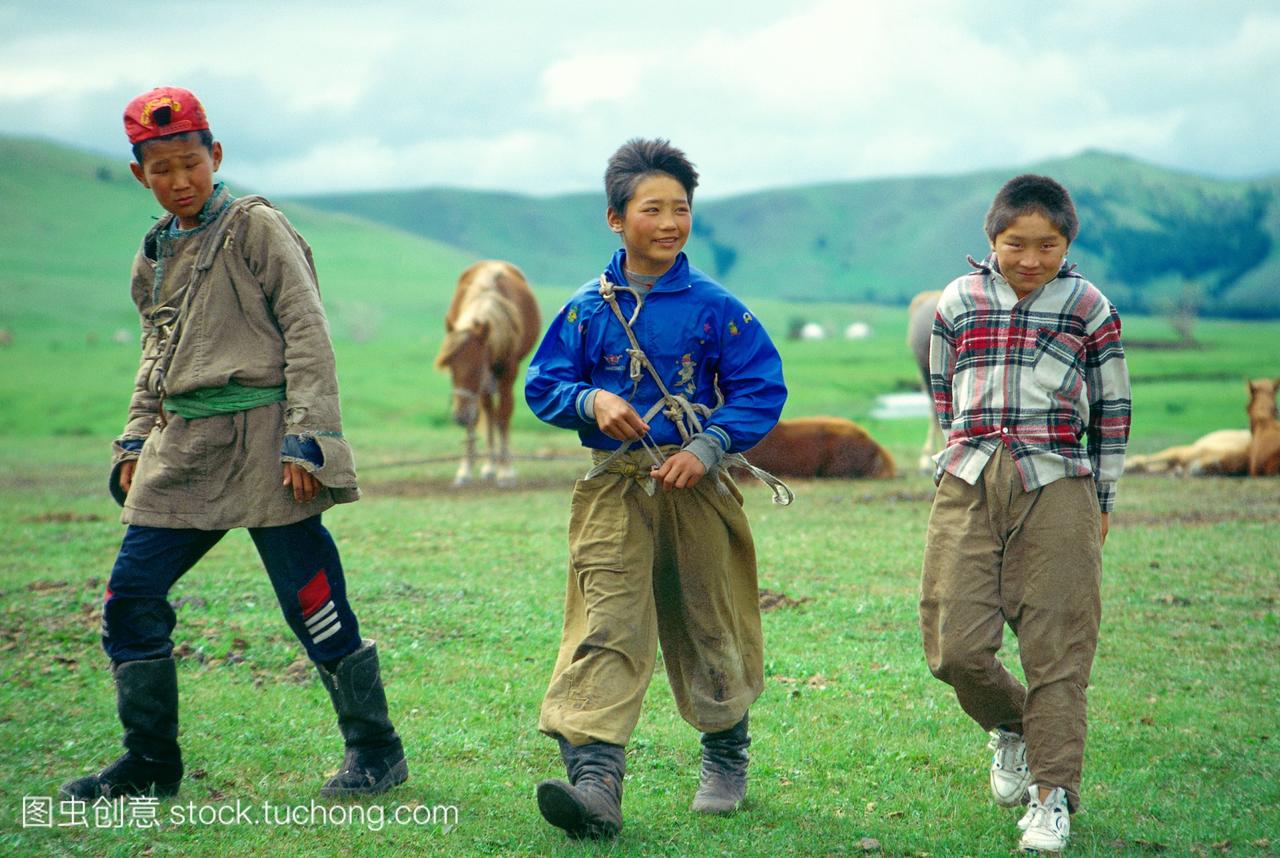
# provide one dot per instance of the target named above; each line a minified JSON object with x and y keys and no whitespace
{"x":303,"y":484}
{"x":1106,"y":525}
{"x":681,"y":471}
{"x":127,"y":468}
{"x":616,"y":418}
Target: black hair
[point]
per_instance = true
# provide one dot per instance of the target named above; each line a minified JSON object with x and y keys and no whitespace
{"x":204,"y":135}
{"x":638,"y":158}
{"x":1031,"y":193}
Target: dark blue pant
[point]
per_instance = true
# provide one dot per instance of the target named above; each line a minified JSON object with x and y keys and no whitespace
{"x":301,"y":560}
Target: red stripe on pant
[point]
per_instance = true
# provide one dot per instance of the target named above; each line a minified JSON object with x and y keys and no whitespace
{"x":314,"y":595}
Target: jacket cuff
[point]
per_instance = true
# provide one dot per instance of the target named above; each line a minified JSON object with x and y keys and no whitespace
{"x":721,"y":437}
{"x":336,"y":465}
{"x":1106,"y":496}
{"x":585,"y":405}
{"x":706,"y":447}
{"x":126,"y":448}
{"x":296,"y":448}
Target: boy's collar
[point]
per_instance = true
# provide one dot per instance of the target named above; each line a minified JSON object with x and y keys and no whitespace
{"x":989,"y":265}
{"x":218,"y":200}
{"x":676,"y":277}
{"x":209,"y":212}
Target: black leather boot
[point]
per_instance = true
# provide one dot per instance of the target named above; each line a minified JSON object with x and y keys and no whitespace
{"x":722,"y":783}
{"x":589,"y":806}
{"x":147,"y":702}
{"x":374,"y":761}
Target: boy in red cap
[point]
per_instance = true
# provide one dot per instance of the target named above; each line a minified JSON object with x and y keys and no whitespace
{"x":234,"y":422}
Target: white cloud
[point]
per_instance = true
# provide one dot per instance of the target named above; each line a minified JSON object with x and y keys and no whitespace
{"x":533,"y":97}
{"x":368,"y":162}
{"x":590,"y":79}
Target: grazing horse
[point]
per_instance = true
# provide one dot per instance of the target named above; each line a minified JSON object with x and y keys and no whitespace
{"x":1264,"y":429}
{"x":919,"y":328}
{"x":821,"y":447}
{"x":1223,"y":453}
{"x":491,"y":325}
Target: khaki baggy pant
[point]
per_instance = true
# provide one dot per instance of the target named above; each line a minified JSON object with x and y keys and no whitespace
{"x":676,"y":568}
{"x":998,"y":554}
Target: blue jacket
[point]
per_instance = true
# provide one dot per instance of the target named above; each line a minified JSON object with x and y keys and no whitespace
{"x":695,"y":333}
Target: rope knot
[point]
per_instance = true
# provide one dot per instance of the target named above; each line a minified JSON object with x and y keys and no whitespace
{"x":636,"y":367}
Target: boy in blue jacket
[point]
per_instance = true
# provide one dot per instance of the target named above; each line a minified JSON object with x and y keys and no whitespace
{"x":663,"y":373}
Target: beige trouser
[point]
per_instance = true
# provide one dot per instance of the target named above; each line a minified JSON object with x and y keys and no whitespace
{"x":997,"y":554}
{"x":677,"y":568}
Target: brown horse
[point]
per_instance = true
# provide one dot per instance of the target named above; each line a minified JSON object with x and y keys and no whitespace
{"x":821,"y":447}
{"x":1264,"y":429}
{"x":490,"y":327}
{"x":1223,"y":453}
{"x":919,"y":328}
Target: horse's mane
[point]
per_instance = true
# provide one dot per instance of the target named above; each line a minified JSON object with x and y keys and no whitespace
{"x":453,"y":341}
{"x":485,"y":304}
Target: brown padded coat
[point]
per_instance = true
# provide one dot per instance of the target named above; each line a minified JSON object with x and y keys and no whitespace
{"x":252,"y":314}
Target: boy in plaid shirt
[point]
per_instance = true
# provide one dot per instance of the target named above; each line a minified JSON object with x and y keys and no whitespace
{"x":1030,"y":383}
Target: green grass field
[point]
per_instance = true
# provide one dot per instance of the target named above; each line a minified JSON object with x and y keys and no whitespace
{"x":854,"y":741}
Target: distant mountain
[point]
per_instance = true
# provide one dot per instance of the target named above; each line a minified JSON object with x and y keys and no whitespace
{"x":71,"y":222}
{"x":1149,"y":235}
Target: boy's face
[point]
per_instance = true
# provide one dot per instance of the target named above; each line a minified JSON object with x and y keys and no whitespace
{"x":655,"y":225}
{"x":179,"y":171}
{"x":1030,"y":252}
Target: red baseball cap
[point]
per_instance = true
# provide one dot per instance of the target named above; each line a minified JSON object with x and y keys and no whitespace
{"x":163,"y":111}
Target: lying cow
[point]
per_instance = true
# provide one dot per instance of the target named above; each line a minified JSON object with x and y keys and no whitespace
{"x":821,"y":447}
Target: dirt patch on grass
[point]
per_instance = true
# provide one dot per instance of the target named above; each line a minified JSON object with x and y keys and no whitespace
{"x":817,"y":682}
{"x":899,"y":497}
{"x":1136,"y":518}
{"x":45,"y":586}
{"x":771,"y":600}
{"x":416,"y":487}
{"x":62,"y":517}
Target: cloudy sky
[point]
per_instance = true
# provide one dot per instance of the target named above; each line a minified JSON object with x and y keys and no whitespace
{"x":533,"y":96}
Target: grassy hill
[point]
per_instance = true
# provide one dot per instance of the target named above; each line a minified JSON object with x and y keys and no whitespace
{"x":72,"y":222}
{"x":1149,"y":234}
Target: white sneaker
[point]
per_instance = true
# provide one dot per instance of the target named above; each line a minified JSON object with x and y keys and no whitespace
{"x":1010,"y":776}
{"x":1046,"y":825}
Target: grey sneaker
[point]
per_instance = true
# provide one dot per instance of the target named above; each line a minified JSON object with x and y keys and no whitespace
{"x":1010,"y":776}
{"x":1046,"y":824}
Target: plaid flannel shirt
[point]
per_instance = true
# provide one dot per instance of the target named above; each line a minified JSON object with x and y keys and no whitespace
{"x":1037,"y":374}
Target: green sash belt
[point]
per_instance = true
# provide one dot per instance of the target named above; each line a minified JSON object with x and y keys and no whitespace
{"x":228,"y":399}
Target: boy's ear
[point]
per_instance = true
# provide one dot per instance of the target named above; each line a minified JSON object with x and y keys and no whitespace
{"x":136,"y":169}
{"x":613,"y":219}
{"x":217,"y":155}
